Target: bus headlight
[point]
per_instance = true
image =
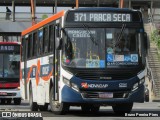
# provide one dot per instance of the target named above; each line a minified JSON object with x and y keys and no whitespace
{"x":18,"y":88}
{"x":135,"y":86}
{"x":66,"y":81}
{"x":142,"y":81}
{"x":75,"y":87}
{"x":69,"y":84}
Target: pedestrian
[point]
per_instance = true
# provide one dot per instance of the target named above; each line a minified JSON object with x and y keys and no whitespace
{"x":8,"y":13}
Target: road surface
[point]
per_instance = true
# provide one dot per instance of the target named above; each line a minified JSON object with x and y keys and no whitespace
{"x":142,"y":110}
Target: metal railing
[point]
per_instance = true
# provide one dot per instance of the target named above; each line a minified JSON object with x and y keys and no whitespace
{"x":151,"y":21}
{"x":24,"y":16}
{"x":150,"y":76}
{"x":154,"y":20}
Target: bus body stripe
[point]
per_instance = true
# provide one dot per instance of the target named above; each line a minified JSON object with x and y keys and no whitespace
{"x":44,"y":22}
{"x":38,"y":73}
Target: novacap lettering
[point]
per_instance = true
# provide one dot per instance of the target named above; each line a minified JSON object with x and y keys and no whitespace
{"x":97,"y":85}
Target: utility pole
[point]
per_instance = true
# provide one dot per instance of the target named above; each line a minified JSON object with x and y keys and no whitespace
{"x":33,"y":4}
{"x":77,"y":3}
{"x":13,"y":10}
{"x":97,"y":3}
{"x":121,"y":3}
{"x":55,"y":10}
{"x":129,"y":4}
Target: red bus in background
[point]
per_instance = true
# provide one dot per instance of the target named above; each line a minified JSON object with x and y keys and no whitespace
{"x":10,"y":72}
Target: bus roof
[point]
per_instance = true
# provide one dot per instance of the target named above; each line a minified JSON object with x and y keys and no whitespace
{"x":10,"y":43}
{"x":105,"y":9}
{"x":42,"y":23}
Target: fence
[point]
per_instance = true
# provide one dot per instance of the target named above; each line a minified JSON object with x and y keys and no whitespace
{"x":24,"y":16}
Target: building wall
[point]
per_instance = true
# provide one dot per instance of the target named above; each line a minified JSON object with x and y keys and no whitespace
{"x":8,"y":26}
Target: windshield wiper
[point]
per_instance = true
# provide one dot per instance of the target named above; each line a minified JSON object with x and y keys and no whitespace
{"x":120,"y":35}
{"x":90,"y":34}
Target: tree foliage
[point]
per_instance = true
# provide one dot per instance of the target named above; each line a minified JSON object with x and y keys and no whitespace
{"x":155,"y":37}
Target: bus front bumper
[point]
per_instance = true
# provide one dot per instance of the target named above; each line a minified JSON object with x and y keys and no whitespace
{"x":10,"y":93}
{"x":69,"y":95}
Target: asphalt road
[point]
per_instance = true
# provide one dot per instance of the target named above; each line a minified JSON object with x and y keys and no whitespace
{"x":140,"y":110}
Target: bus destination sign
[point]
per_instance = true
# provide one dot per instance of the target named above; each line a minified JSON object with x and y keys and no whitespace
{"x":9,"y":48}
{"x":102,"y":17}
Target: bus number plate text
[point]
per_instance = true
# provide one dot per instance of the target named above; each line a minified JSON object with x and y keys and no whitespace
{"x":3,"y":93}
{"x":106,"y":95}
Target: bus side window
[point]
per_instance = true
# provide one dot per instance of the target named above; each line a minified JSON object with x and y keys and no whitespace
{"x":31,"y":45}
{"x":46,"y":39}
{"x":35,"y":44}
{"x":40,"y":45}
{"x":29,"y":40}
{"x":23,"y":49}
{"x":51,"y":38}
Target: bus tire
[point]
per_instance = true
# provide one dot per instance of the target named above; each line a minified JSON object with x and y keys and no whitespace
{"x":56,"y":107}
{"x":85,"y":108}
{"x":17,"y":101}
{"x":95,"y":108}
{"x":122,"y":108}
{"x":33,"y":105}
{"x":43,"y":107}
{"x":90,"y":108}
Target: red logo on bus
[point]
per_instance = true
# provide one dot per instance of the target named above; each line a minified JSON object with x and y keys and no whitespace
{"x":84,"y":85}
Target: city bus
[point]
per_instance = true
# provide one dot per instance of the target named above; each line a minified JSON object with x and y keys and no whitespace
{"x":10,"y":72}
{"x":87,"y":57}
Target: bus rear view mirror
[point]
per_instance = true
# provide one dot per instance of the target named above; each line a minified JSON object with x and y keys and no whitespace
{"x":146,"y":41}
{"x":58,"y":43}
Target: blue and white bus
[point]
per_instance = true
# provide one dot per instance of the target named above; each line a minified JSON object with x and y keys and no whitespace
{"x":88,"y":57}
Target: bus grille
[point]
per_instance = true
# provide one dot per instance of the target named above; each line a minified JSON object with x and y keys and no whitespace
{"x":8,"y":94}
{"x":102,"y":75}
{"x":95,"y":95}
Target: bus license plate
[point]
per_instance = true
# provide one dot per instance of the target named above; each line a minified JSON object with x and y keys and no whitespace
{"x":3,"y":93}
{"x":106,"y":95}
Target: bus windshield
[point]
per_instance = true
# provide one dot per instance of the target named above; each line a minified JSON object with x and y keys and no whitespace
{"x":10,"y":64}
{"x":100,"y":47}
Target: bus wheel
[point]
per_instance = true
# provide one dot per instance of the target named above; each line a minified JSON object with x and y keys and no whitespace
{"x":33,"y":105}
{"x":122,"y":108}
{"x":90,"y":108}
{"x":17,"y":101}
{"x":85,"y":108}
{"x":95,"y":108}
{"x":8,"y":100}
{"x":56,"y":107}
{"x":43,"y":107}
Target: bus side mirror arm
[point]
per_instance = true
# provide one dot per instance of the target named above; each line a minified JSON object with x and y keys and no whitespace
{"x":58,"y":43}
{"x":142,"y":46}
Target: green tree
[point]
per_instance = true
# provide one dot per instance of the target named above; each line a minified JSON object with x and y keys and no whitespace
{"x":155,"y":37}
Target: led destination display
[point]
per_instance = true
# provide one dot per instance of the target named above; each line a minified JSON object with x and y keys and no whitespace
{"x":102,"y":17}
{"x":9,"y":48}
